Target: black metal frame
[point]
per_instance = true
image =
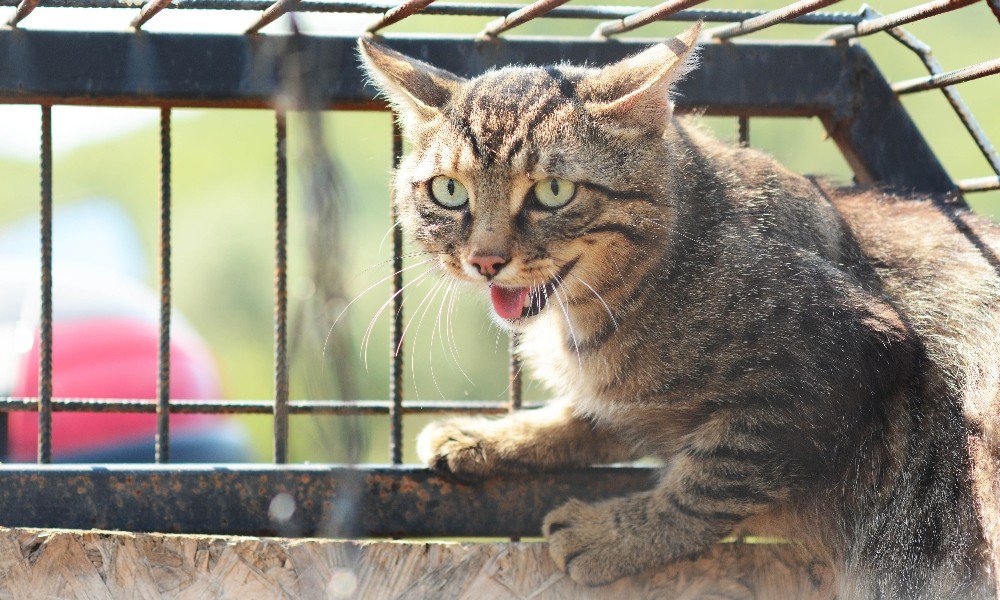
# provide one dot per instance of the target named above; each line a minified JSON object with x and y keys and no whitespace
{"x":836,"y":82}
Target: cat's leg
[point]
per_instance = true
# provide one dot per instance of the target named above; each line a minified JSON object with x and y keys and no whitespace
{"x":700,"y":499}
{"x":473,"y":448}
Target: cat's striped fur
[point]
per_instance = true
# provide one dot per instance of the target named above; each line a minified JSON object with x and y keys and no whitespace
{"x":822,"y":360}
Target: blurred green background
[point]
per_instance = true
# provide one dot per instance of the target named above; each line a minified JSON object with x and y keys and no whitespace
{"x":224,"y":214}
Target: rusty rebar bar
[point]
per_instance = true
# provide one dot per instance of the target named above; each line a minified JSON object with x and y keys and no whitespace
{"x":774,"y":17}
{"x":457,"y":8}
{"x":881,"y":23}
{"x":162,"y":452}
{"x":979,"y":184}
{"x":396,"y":325}
{"x":281,"y":289}
{"x":24,"y":8}
{"x":397,"y":14}
{"x":644,"y":17}
{"x":257,"y":407}
{"x":515,"y":398}
{"x":743,"y":131}
{"x":518,"y":17}
{"x":271,"y":14}
{"x":926,"y":56}
{"x":44,"y":405}
{"x":940,"y":80}
{"x":148,"y":11}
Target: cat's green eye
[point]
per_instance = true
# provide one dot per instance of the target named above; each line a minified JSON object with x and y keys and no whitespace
{"x":448,"y":192}
{"x":554,"y":192}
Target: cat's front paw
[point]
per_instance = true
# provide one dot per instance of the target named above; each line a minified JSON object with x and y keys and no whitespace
{"x":584,"y":542}
{"x":455,"y":448}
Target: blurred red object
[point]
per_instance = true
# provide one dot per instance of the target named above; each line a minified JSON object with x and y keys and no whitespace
{"x":109,"y":358}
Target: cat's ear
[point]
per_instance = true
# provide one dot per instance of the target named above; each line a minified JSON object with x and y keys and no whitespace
{"x":634,"y":94}
{"x":417,"y":91}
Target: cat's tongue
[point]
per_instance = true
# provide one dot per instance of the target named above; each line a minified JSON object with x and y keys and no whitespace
{"x":508,"y":302}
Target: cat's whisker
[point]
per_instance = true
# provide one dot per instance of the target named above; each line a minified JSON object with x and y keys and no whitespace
{"x":402,"y":336}
{"x":606,"y":307}
{"x":380,"y":263}
{"x":452,"y":344}
{"x":669,"y":229}
{"x":371,"y":324}
{"x":416,"y":335}
{"x":434,"y":332}
{"x":326,"y":341}
{"x":387,"y":232}
{"x":569,"y":322}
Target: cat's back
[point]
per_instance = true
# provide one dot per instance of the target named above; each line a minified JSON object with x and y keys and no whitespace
{"x":941,"y":267}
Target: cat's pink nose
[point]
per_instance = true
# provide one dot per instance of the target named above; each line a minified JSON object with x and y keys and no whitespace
{"x":488,"y":264}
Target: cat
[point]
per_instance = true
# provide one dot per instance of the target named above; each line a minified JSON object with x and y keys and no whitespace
{"x":821,"y":363}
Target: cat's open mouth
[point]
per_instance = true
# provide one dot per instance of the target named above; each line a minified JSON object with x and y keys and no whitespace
{"x":520,"y":302}
{"x":523,"y":302}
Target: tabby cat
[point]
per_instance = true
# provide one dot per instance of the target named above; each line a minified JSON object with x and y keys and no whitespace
{"x":823,"y":360}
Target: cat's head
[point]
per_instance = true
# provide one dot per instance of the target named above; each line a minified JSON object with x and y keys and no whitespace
{"x":541,"y":184}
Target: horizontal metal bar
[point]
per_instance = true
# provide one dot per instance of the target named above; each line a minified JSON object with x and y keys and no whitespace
{"x":256,"y":407}
{"x":781,"y":15}
{"x":916,"y":13}
{"x":983,"y":69}
{"x":519,"y":17}
{"x":644,"y":17}
{"x":979,"y":184}
{"x":339,"y":501}
{"x":237,"y":70}
{"x":787,"y":79}
{"x":452,"y":8}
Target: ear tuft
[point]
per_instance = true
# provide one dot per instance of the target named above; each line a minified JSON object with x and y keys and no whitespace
{"x":417,"y":91}
{"x":635,"y":93}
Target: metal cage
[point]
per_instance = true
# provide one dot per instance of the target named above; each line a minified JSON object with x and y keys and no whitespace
{"x":833,"y":79}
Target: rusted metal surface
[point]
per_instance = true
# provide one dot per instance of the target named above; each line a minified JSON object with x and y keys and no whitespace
{"x":280,"y":288}
{"x":397,"y":14}
{"x":743,"y":131}
{"x":518,"y":17}
{"x":44,"y":405}
{"x":163,"y":353}
{"x":644,"y":17}
{"x":271,"y":14}
{"x":235,"y":499}
{"x":258,"y":407}
{"x":940,"y":80}
{"x":396,"y":323}
{"x":148,"y":11}
{"x":881,"y":23}
{"x":781,"y":15}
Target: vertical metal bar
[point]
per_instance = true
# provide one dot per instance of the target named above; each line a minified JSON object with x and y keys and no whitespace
{"x":396,"y":326}
{"x":744,"y":131}
{"x":514,"y":391}
{"x":45,"y":325}
{"x":163,"y":356}
{"x":280,"y":291}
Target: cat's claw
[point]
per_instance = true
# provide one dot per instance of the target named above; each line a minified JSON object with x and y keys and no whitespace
{"x":584,"y":542}
{"x":451,"y":449}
